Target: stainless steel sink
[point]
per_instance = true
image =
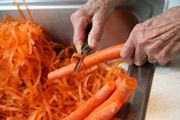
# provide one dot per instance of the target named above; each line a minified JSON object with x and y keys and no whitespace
{"x":55,"y":16}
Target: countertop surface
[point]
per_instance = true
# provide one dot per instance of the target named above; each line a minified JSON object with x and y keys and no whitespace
{"x":164,"y":100}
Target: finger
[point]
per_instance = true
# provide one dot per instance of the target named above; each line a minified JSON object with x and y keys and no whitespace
{"x":159,"y":46}
{"x":164,"y":55}
{"x":174,"y":51}
{"x":140,"y":56}
{"x":169,"y":39}
{"x":96,"y":31}
{"x":130,"y":60}
{"x":79,"y":33}
{"x":151,"y":48}
{"x":127,"y":51}
{"x":150,"y":52}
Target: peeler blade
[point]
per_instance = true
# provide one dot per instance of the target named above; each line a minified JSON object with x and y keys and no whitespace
{"x":79,"y":60}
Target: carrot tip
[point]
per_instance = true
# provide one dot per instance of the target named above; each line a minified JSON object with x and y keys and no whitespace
{"x":49,"y":76}
{"x":129,"y":82}
{"x":111,"y":85}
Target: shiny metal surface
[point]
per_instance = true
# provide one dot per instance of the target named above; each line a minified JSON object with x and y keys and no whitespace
{"x":139,"y":100}
{"x":135,"y":109}
{"x":55,"y":16}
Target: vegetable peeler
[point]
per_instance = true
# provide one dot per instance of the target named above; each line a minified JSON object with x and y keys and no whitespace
{"x":85,"y":48}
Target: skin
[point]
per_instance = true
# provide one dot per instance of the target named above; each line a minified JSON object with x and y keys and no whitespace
{"x":156,"y":40}
{"x":95,"y":12}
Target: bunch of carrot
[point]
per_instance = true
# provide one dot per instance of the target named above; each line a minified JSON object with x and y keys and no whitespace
{"x":27,"y":55}
{"x":107,"y":101}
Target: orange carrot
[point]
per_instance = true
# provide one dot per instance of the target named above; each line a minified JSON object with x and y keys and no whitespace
{"x":21,"y":14}
{"x":76,"y":56}
{"x":107,"y":112}
{"x":16,"y":118}
{"x":124,"y":89}
{"x":82,"y":112}
{"x":93,"y":59}
{"x":31,"y":19}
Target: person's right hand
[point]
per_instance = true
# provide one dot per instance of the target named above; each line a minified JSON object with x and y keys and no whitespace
{"x":93,"y":12}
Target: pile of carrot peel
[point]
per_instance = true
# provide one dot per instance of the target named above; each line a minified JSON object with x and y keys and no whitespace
{"x":27,"y":55}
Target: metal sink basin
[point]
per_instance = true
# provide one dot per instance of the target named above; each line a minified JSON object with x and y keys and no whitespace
{"x":55,"y":16}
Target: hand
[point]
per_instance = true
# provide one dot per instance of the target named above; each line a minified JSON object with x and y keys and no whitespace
{"x":156,"y":40}
{"x":93,"y":12}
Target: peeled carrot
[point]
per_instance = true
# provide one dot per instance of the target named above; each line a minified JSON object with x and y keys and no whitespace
{"x":124,"y":89}
{"x":107,"y":112}
{"x":93,"y":59}
{"x":82,"y":112}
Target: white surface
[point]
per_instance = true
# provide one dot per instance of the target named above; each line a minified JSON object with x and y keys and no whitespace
{"x":174,"y":3}
{"x":164,"y":100}
{"x":124,"y":65}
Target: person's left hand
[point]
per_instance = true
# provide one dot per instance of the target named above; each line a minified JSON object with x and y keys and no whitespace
{"x":156,"y":40}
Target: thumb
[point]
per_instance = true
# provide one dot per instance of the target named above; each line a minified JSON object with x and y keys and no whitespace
{"x":127,"y":51}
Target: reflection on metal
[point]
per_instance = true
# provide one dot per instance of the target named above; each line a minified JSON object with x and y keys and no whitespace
{"x":135,"y":109}
{"x":139,"y":100}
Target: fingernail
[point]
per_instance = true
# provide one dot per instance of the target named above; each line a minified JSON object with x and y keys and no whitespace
{"x":78,"y":47}
{"x":92,"y":43}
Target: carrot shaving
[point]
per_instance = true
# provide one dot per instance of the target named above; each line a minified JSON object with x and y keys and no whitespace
{"x":75,"y":57}
{"x":20,"y":12}
{"x":27,"y":55}
{"x":31,"y":19}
